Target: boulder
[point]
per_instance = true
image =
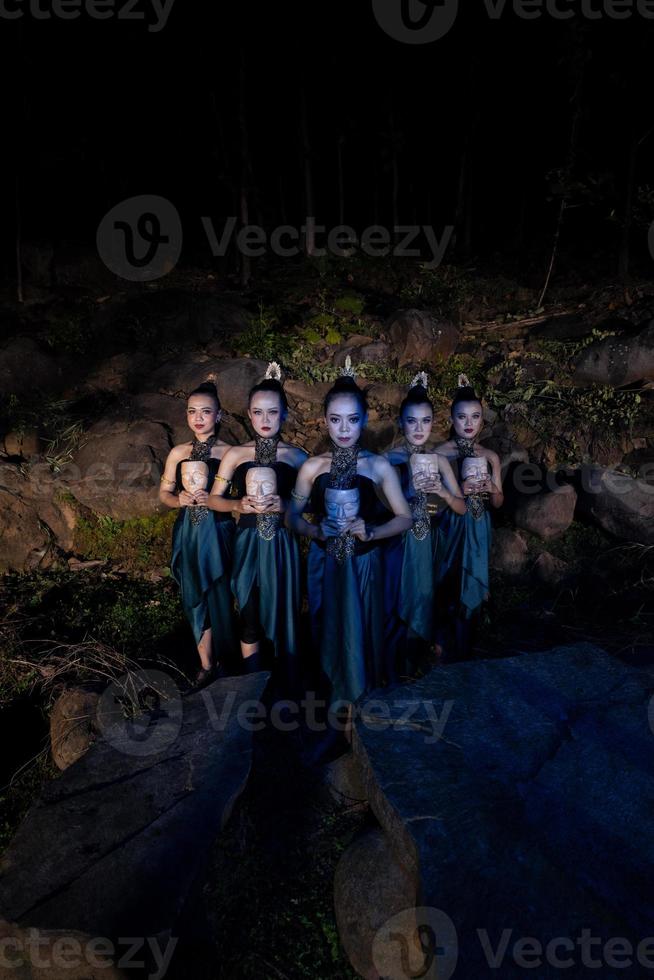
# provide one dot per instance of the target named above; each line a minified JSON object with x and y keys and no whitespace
{"x":620,"y":504}
{"x":419,"y":337}
{"x":547,"y":513}
{"x":387,"y":396}
{"x":502,"y":785}
{"x":301,"y":394}
{"x":509,"y":552}
{"x":364,"y":900}
{"x":22,"y":442}
{"x":362,"y":350}
{"x":180,"y":375}
{"x":117,"y":846}
{"x":549,"y":571}
{"x":343,"y":778}
{"x":24,"y":541}
{"x":117,"y":469}
{"x":72,"y":725}
{"x":235,"y":378}
{"x":617,"y":360}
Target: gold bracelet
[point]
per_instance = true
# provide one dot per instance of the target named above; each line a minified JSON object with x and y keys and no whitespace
{"x":298,"y":496}
{"x":164,"y":480}
{"x":222,"y":479}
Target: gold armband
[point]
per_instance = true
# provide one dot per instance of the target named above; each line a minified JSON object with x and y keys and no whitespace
{"x":164,"y":480}
{"x":299,"y":497}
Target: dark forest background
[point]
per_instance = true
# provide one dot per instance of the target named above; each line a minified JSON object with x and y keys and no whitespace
{"x":505,"y":129}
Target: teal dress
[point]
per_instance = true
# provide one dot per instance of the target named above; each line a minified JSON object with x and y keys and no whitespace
{"x":411,"y":574}
{"x":463,"y":550}
{"x":201,"y":564}
{"x":266,"y":569}
{"x":346,"y":602}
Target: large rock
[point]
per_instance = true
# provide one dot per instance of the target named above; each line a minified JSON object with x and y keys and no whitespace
{"x":364,"y":899}
{"x":117,"y":844}
{"x":620,"y":504}
{"x":117,"y":469}
{"x":617,"y":360}
{"x":503,"y":785}
{"x":235,"y":379}
{"x":25,"y":540}
{"x":509,"y":553}
{"x":73,"y":725}
{"x":419,"y":337}
{"x":547,"y":513}
{"x":550,"y":571}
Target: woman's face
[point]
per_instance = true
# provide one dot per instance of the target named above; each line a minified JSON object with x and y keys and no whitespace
{"x":202,"y":416}
{"x":265,"y":413}
{"x":467,"y":420}
{"x":345,"y":420}
{"x":416,"y":423}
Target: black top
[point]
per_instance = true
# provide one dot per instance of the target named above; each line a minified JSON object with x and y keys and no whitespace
{"x":286,"y":477}
{"x":371,"y":509}
{"x":213,"y":465}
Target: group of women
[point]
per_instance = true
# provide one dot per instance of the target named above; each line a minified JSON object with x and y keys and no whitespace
{"x":398,"y":556}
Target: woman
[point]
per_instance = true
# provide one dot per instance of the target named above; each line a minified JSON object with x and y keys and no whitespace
{"x":202,"y":542}
{"x":411,"y":561}
{"x":345,"y":574}
{"x":266,"y":570}
{"x":466,"y":540}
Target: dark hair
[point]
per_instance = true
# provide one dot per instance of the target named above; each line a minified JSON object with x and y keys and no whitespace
{"x":417,"y":395}
{"x":207,"y":388}
{"x":345,"y":385}
{"x":270,"y":384}
{"x":464,"y":394}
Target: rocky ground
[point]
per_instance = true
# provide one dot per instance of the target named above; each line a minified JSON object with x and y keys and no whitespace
{"x":94,"y":377}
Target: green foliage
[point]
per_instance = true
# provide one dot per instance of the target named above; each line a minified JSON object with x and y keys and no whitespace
{"x":442,"y":290}
{"x":140,"y":544}
{"x":70,"y":333}
{"x":129,"y":615}
{"x":62,"y":432}
{"x":561,"y":417}
{"x":349,"y":303}
{"x":263,"y":337}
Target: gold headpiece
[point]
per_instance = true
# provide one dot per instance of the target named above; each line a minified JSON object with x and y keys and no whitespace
{"x":463,"y":381}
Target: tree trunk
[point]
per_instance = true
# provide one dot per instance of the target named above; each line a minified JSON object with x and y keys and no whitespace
{"x":309,"y":211}
{"x":246,"y":172}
